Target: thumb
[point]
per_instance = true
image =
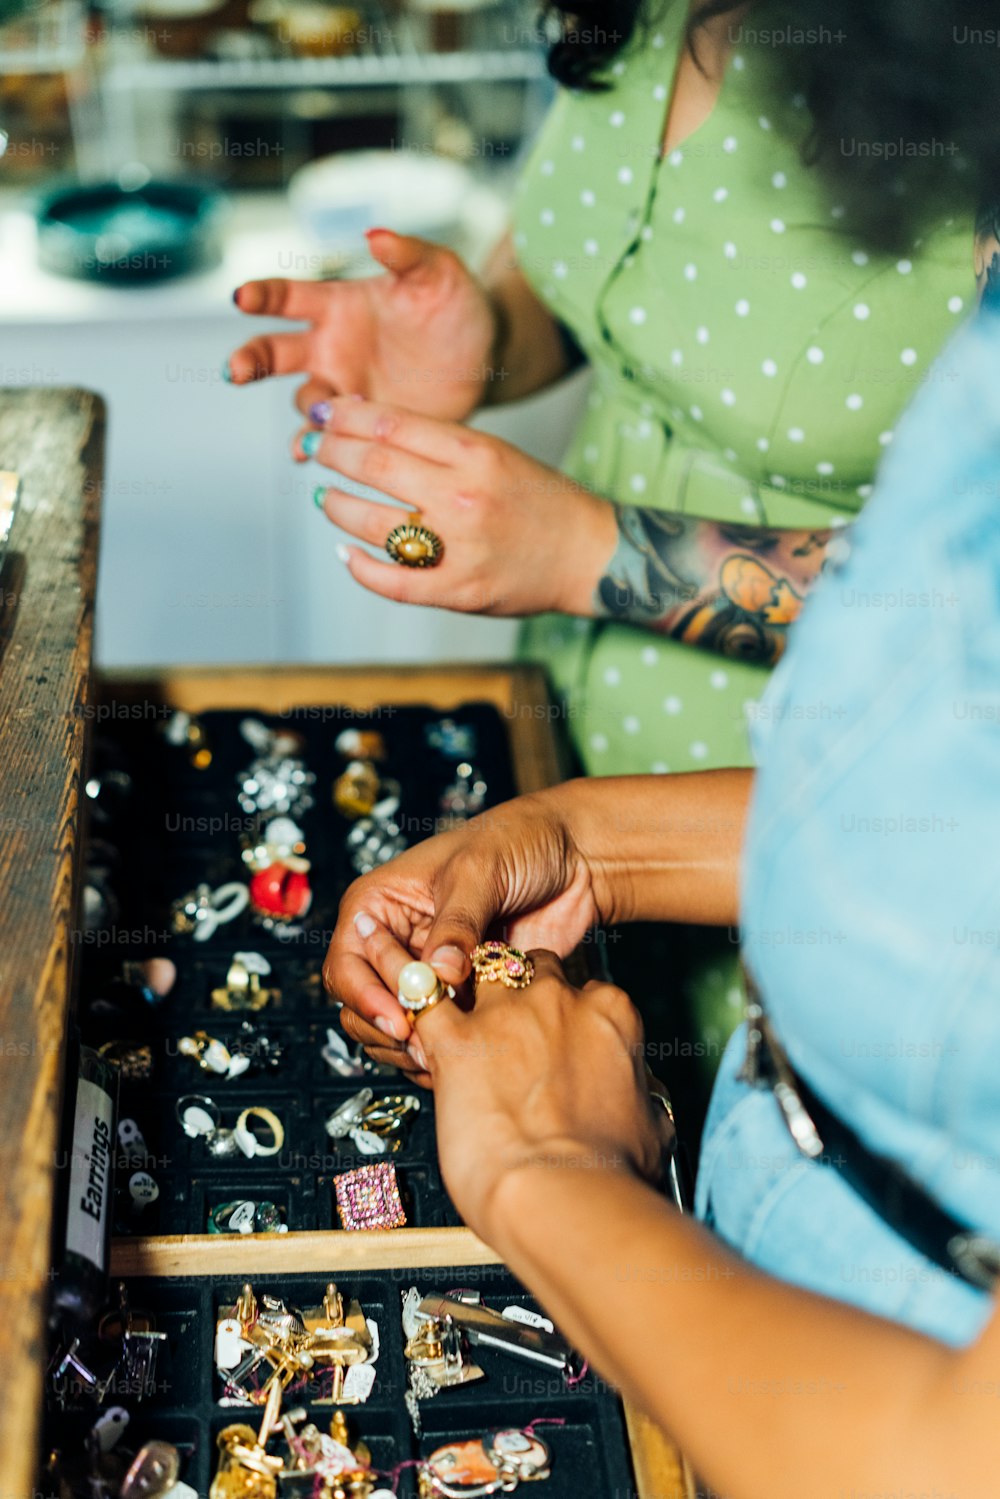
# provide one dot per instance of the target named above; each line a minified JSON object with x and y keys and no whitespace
{"x":467,"y":901}
{"x":404,"y":254}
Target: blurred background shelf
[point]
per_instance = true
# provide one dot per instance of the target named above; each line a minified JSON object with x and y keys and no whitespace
{"x":87,"y":90}
{"x":389,"y":70}
{"x":212,"y":548}
{"x":46,"y":39}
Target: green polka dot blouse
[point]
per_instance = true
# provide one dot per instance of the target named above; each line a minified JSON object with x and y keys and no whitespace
{"x":750,"y":362}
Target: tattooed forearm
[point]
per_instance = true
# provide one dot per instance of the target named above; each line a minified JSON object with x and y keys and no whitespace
{"x":726,"y":588}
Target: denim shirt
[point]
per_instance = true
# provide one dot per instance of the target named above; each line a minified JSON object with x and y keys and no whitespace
{"x":871,"y":876}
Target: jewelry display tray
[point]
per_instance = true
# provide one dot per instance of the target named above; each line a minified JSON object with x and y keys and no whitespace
{"x":184,"y":825}
{"x":583,"y":1426}
{"x":180,"y":826}
{"x":195,"y":1270}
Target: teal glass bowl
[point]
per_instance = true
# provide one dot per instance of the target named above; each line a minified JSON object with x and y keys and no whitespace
{"x":107,"y":233}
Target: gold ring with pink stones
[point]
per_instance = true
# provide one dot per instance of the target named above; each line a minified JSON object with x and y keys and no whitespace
{"x":498,"y":963}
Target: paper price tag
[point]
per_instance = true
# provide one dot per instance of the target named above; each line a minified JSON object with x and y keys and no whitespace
{"x":529,"y":1319}
{"x":130,"y":1137}
{"x":110,"y":1427}
{"x":358,"y":1382}
{"x":367,"y":1142}
{"x":196,"y":1121}
{"x":253,"y":962}
{"x":372,"y":1326}
{"x":142,"y":1188}
{"x":230,"y":1345}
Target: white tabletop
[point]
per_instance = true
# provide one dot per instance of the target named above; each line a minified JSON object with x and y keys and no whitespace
{"x":261,"y":237}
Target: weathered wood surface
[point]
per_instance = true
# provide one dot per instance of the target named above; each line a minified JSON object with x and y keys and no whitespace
{"x":54,"y":440}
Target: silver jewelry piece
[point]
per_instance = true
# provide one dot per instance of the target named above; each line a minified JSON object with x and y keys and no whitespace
{"x":270,"y":744}
{"x":200,"y":1119}
{"x":339,"y":1058}
{"x":222,"y":1144}
{"x":277,"y":787}
{"x":280,"y":841}
{"x":204,"y":910}
{"x":464,"y":797}
{"x":372,"y":843}
{"x":345,"y":1119}
{"x":374,"y":1125}
{"x":456,"y":741}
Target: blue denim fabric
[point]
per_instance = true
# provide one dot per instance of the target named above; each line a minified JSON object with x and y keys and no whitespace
{"x":871,"y":878}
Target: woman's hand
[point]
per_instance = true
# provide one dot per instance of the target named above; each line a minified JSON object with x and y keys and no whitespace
{"x":548,"y":1076}
{"x":422,"y":335}
{"x":542,"y":1077}
{"x":519,"y":538}
{"x":515,"y":871}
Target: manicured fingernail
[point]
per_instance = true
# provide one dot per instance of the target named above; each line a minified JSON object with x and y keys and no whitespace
{"x":363,"y":924}
{"x":320,"y":413}
{"x":399,"y":1029}
{"x":319,"y":495}
{"x":344,"y":553}
{"x":227,"y":373}
{"x":449,"y":957}
{"x":236,"y":296}
{"x":377,"y":231}
{"x":418,"y":1054}
{"x":311,"y":442}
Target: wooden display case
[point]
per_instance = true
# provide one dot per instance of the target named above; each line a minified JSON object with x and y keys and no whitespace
{"x":46,"y":686}
{"x":54,"y":440}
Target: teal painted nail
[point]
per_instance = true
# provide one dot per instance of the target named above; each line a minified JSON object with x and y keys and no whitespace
{"x":319,"y":495}
{"x":311,"y":442}
{"x":227,"y":373}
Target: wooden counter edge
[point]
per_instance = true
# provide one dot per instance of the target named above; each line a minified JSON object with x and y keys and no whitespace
{"x":661,"y":1471}
{"x":295,"y":1253}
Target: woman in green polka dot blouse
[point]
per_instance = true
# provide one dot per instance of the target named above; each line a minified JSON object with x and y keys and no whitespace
{"x":750,"y":355}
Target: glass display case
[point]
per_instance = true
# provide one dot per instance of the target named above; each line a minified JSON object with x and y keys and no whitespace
{"x":244,"y":92}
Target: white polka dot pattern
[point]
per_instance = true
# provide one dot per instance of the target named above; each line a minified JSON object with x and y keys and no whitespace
{"x":744,"y":345}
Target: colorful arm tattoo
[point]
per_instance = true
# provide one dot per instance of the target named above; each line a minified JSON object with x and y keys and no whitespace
{"x":726,"y":588}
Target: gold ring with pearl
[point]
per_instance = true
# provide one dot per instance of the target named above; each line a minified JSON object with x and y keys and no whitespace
{"x":419,"y":989}
{"x":414,"y":545}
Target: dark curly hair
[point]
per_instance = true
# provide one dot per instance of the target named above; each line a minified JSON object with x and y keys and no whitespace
{"x":902,"y":93}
